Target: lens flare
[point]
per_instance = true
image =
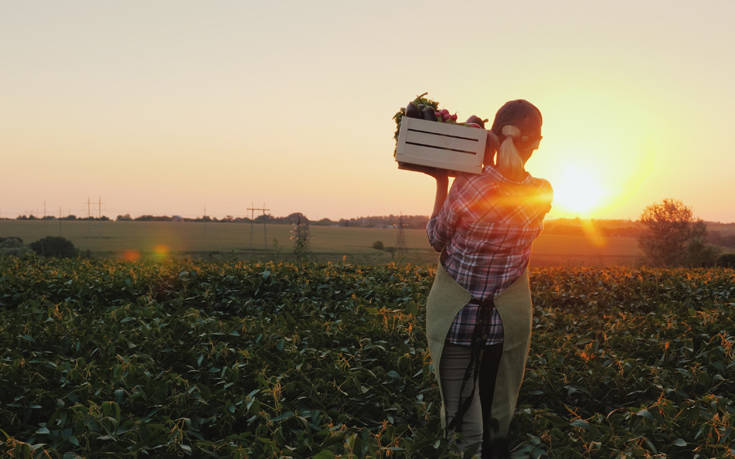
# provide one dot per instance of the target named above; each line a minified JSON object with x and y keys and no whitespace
{"x":161,"y":251}
{"x":130,"y":255}
{"x":593,"y":234}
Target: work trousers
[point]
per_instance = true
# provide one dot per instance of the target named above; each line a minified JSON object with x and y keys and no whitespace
{"x":477,"y":428}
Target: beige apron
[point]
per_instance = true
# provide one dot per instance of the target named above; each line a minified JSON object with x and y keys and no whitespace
{"x":445,"y":300}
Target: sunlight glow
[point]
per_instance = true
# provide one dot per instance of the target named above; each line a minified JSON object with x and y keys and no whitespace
{"x":580,"y":190}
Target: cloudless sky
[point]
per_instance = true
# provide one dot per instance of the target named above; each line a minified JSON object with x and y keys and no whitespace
{"x":167,"y":107}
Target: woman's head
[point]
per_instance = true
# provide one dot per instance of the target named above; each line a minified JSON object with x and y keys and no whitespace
{"x":518,"y":128}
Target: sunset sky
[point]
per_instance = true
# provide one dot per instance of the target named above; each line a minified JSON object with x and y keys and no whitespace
{"x":168,"y":107}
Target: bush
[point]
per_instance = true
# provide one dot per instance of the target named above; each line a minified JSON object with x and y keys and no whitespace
{"x":10,"y":242}
{"x":727,"y":260}
{"x":378,"y":245}
{"x":12,"y":246}
{"x":54,"y":246}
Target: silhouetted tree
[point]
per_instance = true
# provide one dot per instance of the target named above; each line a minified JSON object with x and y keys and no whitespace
{"x":698,"y":253}
{"x":727,"y":260}
{"x":672,"y":237}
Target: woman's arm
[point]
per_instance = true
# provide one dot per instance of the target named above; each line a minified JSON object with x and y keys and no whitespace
{"x":442,"y":183}
{"x":441,"y":224}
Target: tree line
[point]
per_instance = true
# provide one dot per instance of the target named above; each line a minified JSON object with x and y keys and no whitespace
{"x":388,"y":221}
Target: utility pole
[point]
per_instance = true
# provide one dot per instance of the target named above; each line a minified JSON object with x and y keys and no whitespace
{"x":252,"y":223}
{"x":44,"y":209}
{"x":400,"y":238}
{"x":204,"y":219}
{"x":89,"y":215}
{"x":99,"y":211}
{"x":265,"y":227}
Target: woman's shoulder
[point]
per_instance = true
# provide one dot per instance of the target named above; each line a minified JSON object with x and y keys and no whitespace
{"x":474,"y":180}
{"x":540,"y":183}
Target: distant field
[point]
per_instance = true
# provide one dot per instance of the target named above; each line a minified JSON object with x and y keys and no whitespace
{"x":237,"y":240}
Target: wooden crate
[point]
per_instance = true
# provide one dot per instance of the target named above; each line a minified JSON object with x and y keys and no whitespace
{"x":441,"y":145}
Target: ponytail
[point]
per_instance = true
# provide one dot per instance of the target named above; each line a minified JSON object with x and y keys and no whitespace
{"x":508,"y":157}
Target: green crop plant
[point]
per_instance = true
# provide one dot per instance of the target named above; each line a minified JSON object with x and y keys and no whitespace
{"x":232,"y":359}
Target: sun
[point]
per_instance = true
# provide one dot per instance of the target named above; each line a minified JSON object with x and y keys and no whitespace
{"x":578,"y":191}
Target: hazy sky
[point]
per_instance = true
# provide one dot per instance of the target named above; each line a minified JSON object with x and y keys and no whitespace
{"x":166,"y":107}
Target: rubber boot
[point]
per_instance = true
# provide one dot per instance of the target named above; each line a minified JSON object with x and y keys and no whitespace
{"x":498,"y":449}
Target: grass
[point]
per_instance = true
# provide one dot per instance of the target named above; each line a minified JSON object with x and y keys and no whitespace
{"x":243,"y":241}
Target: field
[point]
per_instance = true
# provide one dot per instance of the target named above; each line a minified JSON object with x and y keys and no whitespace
{"x":228,"y":359}
{"x":234,"y":241}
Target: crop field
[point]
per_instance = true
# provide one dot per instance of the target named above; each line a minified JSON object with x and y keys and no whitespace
{"x":328,"y":243}
{"x":103,"y":357}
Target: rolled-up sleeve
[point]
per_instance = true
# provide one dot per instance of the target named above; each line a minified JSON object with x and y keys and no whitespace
{"x":439,"y":232}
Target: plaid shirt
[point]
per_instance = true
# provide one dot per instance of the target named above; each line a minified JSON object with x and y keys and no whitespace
{"x":484,"y":230}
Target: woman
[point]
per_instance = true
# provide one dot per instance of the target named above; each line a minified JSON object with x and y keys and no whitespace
{"x":479,"y":308}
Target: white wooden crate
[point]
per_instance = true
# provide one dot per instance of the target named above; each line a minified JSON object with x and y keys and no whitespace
{"x":442,"y":145}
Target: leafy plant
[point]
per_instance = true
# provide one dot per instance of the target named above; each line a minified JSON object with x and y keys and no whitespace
{"x":419,"y":100}
{"x":230,"y":359}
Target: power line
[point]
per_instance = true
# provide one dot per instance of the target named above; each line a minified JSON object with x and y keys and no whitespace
{"x":265,"y":223}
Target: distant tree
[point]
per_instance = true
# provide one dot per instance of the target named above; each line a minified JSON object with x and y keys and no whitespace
{"x":54,"y":246}
{"x":727,"y":260}
{"x":124,"y":218}
{"x":300,"y":235}
{"x":698,"y":253}
{"x":378,"y":245}
{"x":672,"y":237}
{"x":153,"y":218}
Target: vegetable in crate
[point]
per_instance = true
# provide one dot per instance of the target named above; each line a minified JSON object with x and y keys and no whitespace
{"x":412,"y":111}
{"x":420,"y":103}
{"x":429,"y":114}
{"x":476,"y":121}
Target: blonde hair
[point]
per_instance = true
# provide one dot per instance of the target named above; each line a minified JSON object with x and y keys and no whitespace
{"x":508,"y":158}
